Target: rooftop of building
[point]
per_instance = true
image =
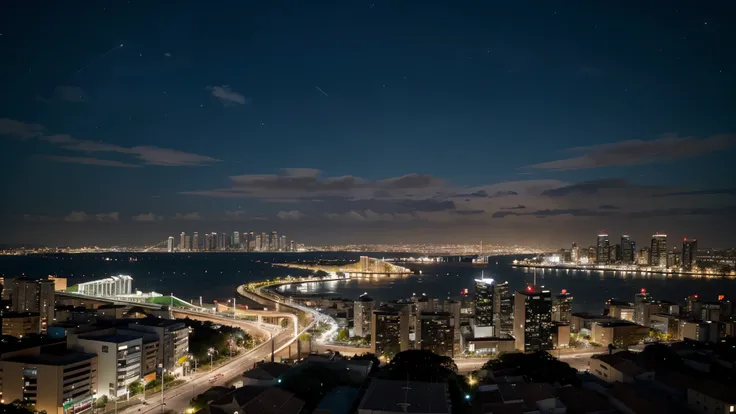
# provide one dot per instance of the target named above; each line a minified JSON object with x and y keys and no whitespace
{"x":622,"y":361}
{"x":616,"y":323}
{"x":274,"y":401}
{"x":267,"y":371}
{"x":714,"y":390}
{"x":339,"y":400}
{"x":156,"y":322}
{"x":583,"y":400}
{"x":19,"y":315}
{"x":534,"y":290}
{"x":115,"y":339}
{"x":637,"y":404}
{"x":595,"y":317}
{"x":111,"y":306}
{"x":412,"y":396}
{"x":364,"y":298}
{"x":55,"y":359}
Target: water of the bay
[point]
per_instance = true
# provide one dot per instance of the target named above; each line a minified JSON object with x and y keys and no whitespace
{"x":216,"y":276}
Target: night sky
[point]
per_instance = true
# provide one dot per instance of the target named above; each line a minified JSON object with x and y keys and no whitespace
{"x":536,"y":122}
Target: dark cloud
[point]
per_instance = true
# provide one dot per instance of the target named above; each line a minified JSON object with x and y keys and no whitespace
{"x":89,"y":161}
{"x":73,"y":94}
{"x":635,"y":152}
{"x":556,"y":212}
{"x":608,"y":207}
{"x":719,"y":191}
{"x":467,"y":212}
{"x":428,"y":205}
{"x":306,"y":183}
{"x":669,"y":212}
{"x":517,"y":207}
{"x":484,"y":194}
{"x":587,"y":187}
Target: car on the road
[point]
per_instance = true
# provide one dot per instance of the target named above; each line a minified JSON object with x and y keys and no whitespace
{"x":216,"y":377}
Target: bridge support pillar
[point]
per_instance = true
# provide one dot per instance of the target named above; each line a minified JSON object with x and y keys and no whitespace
{"x":260,"y":319}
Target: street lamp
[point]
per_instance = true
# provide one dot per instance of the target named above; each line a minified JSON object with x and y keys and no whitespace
{"x":211,"y":352}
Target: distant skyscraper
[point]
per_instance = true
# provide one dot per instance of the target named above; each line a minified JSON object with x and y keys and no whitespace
{"x":195,"y":241}
{"x":645,"y":256}
{"x":575,"y":253}
{"x":182,"y":241}
{"x":484,"y":295}
{"x":274,"y":245}
{"x":533,"y":319}
{"x":628,"y":247}
{"x":251,"y":241}
{"x":236,"y":239}
{"x":187,"y":243}
{"x":282,"y":244}
{"x":170,"y":244}
{"x":603,"y":249}
{"x":562,"y":307}
{"x":642,"y":300}
{"x":291,"y":246}
{"x":658,"y":250}
{"x":265,"y":242}
{"x":689,"y":253}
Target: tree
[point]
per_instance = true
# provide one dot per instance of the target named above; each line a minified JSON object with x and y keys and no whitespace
{"x":305,"y":337}
{"x":320,"y":273}
{"x":101,"y":402}
{"x":284,"y":323}
{"x":343,"y":335}
{"x":135,"y":388}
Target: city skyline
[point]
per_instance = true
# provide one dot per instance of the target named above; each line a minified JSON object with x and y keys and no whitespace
{"x":509,"y":124}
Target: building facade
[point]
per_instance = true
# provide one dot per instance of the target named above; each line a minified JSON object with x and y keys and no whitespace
{"x":362,"y":314}
{"x":484,"y":308}
{"x":533,"y":319}
{"x":118,"y":361}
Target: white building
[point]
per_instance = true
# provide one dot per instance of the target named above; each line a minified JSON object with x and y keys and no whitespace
{"x":118,"y":361}
{"x":110,"y":286}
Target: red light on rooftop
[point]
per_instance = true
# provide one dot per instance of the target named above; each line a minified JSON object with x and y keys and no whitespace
{"x":564,"y":291}
{"x":684,"y":239}
{"x":721,"y":297}
{"x":696,"y":296}
{"x":529,"y":288}
{"x":643,"y":290}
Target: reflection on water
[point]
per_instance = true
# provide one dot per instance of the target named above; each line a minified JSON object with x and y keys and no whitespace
{"x":591,"y":288}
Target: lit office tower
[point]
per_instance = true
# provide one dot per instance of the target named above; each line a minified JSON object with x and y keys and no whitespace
{"x":689,"y":253}
{"x":257,"y":242}
{"x":603,"y":249}
{"x":484,"y":293}
{"x":36,"y":296}
{"x":533,"y":319}
{"x":575,"y":253}
{"x":188,"y":242}
{"x":236,"y":239}
{"x":389,"y":331}
{"x":170,"y":244}
{"x":195,"y":241}
{"x":658,"y":252}
{"x":274,"y":245}
{"x":251,"y":241}
{"x":436,"y":332}
{"x":265,"y":242}
{"x":182,"y":241}
{"x":562,"y":307}
{"x":362,"y":309}
{"x":628,"y":247}
{"x":503,"y":310}
{"x":282,"y":244}
{"x":291,"y":246}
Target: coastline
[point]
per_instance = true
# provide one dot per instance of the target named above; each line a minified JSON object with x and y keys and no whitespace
{"x":623,"y":269}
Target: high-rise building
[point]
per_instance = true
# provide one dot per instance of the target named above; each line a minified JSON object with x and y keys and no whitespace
{"x":503,"y":310}
{"x":60,"y":382}
{"x":614,"y":254}
{"x":36,"y":296}
{"x":265,"y":242}
{"x":562,"y":307}
{"x":389,"y":331}
{"x":171,"y":334}
{"x":118,"y":361}
{"x":533,"y":319}
{"x":195,"y":241}
{"x":236,"y":239}
{"x":282,"y":244}
{"x":642,"y":300}
{"x":603,"y":249}
{"x":258,"y":243}
{"x":436,"y":332}
{"x":187,"y":243}
{"x":182,"y":242}
{"x":592,"y":254}
{"x":362,"y":309}
{"x":645,"y":256}
{"x":628,"y":247}
{"x":274,"y":245}
{"x":658,"y":251}
{"x":484,"y":295}
{"x":689,"y":253}
{"x":575,"y":253}
{"x":251,"y":242}
{"x":291,"y":246}
{"x":170,"y":244}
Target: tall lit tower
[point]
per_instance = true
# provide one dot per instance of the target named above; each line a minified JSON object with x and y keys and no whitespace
{"x":533,"y":319}
{"x":484,"y":295}
{"x":182,"y":241}
{"x":170,"y":244}
{"x":195,"y":241}
{"x":628,"y":247}
{"x":236,"y":239}
{"x":603,"y":249}
{"x":658,"y":250}
{"x":689,"y":253}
